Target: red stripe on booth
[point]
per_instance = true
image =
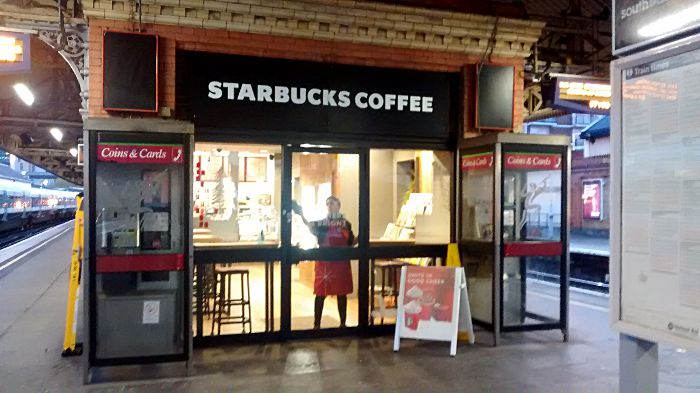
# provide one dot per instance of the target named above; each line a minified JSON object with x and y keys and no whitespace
{"x":139,"y":263}
{"x":532,"y":249}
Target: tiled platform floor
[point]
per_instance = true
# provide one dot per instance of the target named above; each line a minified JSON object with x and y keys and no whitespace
{"x":31,"y":331}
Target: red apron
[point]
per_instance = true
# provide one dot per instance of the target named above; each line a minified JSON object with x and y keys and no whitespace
{"x":333,"y":277}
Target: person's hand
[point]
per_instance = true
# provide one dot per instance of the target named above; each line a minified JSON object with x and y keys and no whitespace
{"x":296,"y":208}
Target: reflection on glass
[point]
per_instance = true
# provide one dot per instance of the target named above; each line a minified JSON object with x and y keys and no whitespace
{"x":410,"y":196}
{"x":536,"y":213}
{"x":477,"y":196}
{"x":312,"y":309}
{"x":136,"y":212}
{"x":385,"y":281}
{"x":236,"y":194}
{"x":479,"y":272}
{"x":317,"y":180}
{"x":527,"y":301}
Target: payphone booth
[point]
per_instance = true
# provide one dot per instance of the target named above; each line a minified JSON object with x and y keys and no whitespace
{"x":139,"y":258}
{"x":513,"y":230}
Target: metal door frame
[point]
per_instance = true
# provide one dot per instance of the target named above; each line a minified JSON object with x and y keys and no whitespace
{"x":292,"y":255}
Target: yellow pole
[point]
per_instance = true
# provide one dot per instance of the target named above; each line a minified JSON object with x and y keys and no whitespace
{"x":453,"y":256}
{"x":453,"y":260}
{"x":69,"y":337}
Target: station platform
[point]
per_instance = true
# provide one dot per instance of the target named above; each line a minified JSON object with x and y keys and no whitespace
{"x":590,"y":245}
{"x":31,"y":335}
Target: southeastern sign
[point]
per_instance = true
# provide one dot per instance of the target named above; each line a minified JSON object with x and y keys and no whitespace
{"x":637,"y":23}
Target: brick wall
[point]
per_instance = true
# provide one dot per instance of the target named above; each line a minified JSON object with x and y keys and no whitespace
{"x":222,"y":41}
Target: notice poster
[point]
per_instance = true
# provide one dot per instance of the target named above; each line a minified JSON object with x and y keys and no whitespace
{"x":155,"y":188}
{"x":592,"y":199}
{"x":659,"y":247}
{"x":151,"y":312}
{"x":429,"y":305}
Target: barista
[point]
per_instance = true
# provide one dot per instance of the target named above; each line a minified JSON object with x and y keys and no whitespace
{"x":331,"y":278}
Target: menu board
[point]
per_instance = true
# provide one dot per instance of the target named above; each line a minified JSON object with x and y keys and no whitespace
{"x":659,"y":245}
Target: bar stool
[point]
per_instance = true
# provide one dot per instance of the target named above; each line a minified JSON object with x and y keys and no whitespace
{"x":208,"y":289}
{"x":225,"y":303}
{"x":389,"y":290}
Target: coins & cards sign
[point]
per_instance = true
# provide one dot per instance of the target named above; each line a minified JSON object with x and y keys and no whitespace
{"x":140,"y":154}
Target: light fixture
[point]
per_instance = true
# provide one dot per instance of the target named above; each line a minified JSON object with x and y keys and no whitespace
{"x":56,"y":134}
{"x":73,"y":151}
{"x":24,"y":93}
{"x":26,"y":139}
{"x":309,"y":145}
{"x":10,"y":49}
{"x":673,"y":22}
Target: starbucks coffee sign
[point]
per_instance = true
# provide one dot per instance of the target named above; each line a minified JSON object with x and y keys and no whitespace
{"x":252,"y":94}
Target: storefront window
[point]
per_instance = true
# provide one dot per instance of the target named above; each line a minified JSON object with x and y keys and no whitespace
{"x":237,"y":298}
{"x":324,"y":294}
{"x":532,"y":197}
{"x":410,"y":196}
{"x":236,"y":194}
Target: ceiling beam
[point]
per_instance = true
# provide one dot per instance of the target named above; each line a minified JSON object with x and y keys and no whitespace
{"x":76,"y":124}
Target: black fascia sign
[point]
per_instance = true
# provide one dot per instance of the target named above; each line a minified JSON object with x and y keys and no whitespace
{"x":251,"y":93}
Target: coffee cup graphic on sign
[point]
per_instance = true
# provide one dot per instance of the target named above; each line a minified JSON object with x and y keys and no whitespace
{"x":412,"y":312}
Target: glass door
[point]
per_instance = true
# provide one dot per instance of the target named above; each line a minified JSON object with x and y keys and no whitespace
{"x":322,"y":268}
{"x":477,"y":229}
{"x":534,"y":234}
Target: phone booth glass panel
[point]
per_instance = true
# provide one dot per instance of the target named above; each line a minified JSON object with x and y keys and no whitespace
{"x":514,"y":230}
{"x":139,"y":247}
{"x":477,"y":229}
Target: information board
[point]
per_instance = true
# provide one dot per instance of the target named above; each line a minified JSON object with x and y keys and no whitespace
{"x":655,"y":262}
